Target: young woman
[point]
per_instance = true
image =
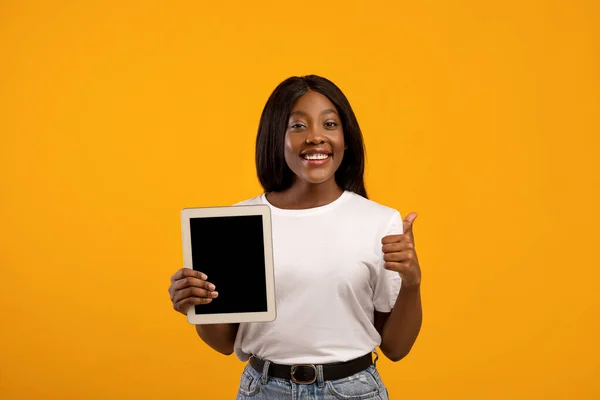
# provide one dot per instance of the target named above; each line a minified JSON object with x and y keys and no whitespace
{"x":340,"y":259}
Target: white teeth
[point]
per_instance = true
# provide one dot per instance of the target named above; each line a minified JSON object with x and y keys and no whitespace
{"x":316,"y":156}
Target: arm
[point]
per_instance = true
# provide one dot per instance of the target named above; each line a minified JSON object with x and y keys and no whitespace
{"x":220,"y":337}
{"x":189,"y":288}
{"x":400,"y":328}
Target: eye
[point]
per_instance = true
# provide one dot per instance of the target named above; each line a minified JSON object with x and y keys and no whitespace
{"x":297,"y":125}
{"x":331,"y":124}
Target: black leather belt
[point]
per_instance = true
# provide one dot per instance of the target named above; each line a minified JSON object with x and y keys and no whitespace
{"x":307,"y":373}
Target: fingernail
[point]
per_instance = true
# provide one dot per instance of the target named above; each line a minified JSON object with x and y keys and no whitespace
{"x":214,"y":294}
{"x":211,"y":286}
{"x":203,"y":276}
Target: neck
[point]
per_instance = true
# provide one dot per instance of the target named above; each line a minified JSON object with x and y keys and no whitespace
{"x":302,"y":195}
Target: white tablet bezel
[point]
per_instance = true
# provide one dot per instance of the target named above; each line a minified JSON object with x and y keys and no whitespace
{"x":204,"y":212}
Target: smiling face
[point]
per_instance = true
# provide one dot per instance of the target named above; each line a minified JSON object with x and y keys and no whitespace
{"x":314,"y":140}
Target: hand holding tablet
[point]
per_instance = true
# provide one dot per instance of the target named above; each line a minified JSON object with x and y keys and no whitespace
{"x":189,"y":288}
{"x":228,"y":258}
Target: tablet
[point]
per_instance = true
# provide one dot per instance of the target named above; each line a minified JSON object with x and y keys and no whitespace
{"x":233,"y":246}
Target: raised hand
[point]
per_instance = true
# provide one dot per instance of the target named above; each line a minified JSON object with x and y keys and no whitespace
{"x":399,"y":253}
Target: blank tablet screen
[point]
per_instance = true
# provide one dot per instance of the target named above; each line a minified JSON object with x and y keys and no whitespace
{"x":230,"y":250}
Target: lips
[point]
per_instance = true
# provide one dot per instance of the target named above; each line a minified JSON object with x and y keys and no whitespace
{"x":316,"y":156}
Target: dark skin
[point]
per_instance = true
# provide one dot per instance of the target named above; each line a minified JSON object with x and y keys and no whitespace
{"x":190,"y":287}
{"x":314,"y":125}
{"x":400,"y":328}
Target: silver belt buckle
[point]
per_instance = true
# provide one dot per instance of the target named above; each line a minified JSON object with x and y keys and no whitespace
{"x":293,"y":370}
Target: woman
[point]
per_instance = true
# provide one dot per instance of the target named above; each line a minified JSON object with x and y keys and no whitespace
{"x":340,"y":259}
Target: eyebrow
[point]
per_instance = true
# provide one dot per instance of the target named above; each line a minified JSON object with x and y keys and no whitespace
{"x":326,"y":111}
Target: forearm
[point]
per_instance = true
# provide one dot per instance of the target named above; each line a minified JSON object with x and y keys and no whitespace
{"x":220,"y":337}
{"x":403,"y":324}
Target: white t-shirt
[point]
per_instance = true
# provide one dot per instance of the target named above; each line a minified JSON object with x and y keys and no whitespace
{"x":329,"y":278}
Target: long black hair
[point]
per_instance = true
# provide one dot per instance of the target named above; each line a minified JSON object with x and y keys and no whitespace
{"x":273,"y":172}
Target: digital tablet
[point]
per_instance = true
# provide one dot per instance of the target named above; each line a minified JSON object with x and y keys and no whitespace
{"x":233,"y":246}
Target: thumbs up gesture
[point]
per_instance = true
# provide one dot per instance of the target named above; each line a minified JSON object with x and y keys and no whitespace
{"x":399,"y":253}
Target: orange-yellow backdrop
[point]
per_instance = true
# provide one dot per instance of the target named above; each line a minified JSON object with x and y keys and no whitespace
{"x":115,"y":115}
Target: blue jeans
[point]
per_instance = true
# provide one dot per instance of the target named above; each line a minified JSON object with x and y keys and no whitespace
{"x":365,"y":385}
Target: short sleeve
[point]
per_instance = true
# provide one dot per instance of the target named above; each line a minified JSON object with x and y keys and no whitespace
{"x":387,"y":284}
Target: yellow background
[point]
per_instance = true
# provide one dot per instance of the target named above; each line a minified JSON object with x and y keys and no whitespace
{"x":481,"y":116}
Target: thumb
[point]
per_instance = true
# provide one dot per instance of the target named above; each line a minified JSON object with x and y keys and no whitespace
{"x":407,"y":224}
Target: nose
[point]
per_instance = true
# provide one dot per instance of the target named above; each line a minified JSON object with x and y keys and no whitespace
{"x":315,"y":136}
